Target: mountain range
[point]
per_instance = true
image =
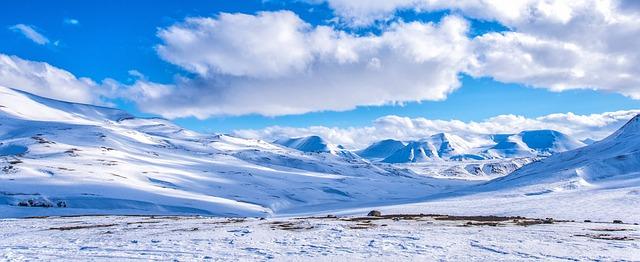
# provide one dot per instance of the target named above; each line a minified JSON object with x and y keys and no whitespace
{"x":60,"y":158}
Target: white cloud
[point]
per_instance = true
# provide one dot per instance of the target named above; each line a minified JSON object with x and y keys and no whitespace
{"x":520,"y":58}
{"x":71,"y":21}
{"x":595,"y":126}
{"x":31,"y":33}
{"x":559,"y":45}
{"x":46,"y":80}
{"x":266,"y":45}
{"x":273,"y":63}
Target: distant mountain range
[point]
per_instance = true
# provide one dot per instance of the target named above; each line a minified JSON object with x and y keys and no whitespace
{"x":444,"y":146}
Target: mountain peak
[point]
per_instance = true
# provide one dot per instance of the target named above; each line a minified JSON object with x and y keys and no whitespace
{"x":630,"y":129}
{"x":381,"y":149}
{"x":315,"y":144}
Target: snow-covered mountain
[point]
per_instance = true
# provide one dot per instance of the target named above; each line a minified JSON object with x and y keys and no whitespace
{"x":443,"y":146}
{"x":531,"y":143}
{"x":66,"y":158}
{"x":316,"y":144}
{"x":415,"y":151}
{"x":600,"y":181}
{"x":615,"y":159}
{"x":381,"y":149}
{"x":59,"y":158}
{"x":435,"y":147}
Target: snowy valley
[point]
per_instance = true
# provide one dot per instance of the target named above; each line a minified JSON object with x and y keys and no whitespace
{"x":62,"y":158}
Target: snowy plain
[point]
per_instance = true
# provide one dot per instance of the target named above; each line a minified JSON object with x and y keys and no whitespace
{"x":311,"y":239}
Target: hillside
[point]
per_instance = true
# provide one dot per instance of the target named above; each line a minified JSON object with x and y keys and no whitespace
{"x":65,"y":158}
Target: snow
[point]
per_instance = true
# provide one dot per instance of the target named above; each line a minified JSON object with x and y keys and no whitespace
{"x":381,"y":149}
{"x":313,"y":144}
{"x":22,"y":105}
{"x":444,"y":146}
{"x":12,"y":150}
{"x":61,"y":159}
{"x":102,"y":163}
{"x":311,"y":239}
{"x":600,"y":181}
{"x":532,"y":143}
{"x":440,"y":146}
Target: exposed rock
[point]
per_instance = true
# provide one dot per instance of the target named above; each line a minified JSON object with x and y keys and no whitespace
{"x":374,"y":213}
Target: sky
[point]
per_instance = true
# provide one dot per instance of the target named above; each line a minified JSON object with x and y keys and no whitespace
{"x":268,"y":69}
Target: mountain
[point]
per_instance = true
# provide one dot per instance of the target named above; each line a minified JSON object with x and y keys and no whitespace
{"x":443,"y":146}
{"x":435,"y":147}
{"x":381,"y":149}
{"x":614,"y":159}
{"x":531,"y":143}
{"x":598,"y":182}
{"x":313,"y":144}
{"x":589,"y":141}
{"x":316,"y":144}
{"x":449,"y":145}
{"x":417,"y":151}
{"x":59,"y":158}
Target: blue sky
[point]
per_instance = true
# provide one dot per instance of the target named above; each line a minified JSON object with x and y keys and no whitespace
{"x":111,"y":38}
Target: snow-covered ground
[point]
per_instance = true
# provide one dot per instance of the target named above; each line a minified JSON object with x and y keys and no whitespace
{"x":316,"y":239}
{"x":59,"y":158}
{"x":478,"y":170}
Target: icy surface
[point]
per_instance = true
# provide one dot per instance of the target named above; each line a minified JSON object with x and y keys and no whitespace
{"x":296,"y":239}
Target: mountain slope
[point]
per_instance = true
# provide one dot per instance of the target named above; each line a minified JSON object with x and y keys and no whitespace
{"x":532,"y":143}
{"x":381,"y":149}
{"x":599,"y":182}
{"x":59,"y":158}
{"x":417,"y":151}
{"x":435,"y":147}
{"x":22,"y":105}
{"x":313,"y":144}
{"x":615,"y":158}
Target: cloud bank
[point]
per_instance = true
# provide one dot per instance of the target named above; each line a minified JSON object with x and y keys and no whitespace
{"x":559,"y":45}
{"x":274,"y":63}
{"x":594,"y":126}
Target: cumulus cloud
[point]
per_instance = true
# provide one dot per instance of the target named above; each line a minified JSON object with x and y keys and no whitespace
{"x":31,"y":33}
{"x":594,"y":126}
{"x":273,"y":63}
{"x":49,"y":81}
{"x":559,"y":45}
